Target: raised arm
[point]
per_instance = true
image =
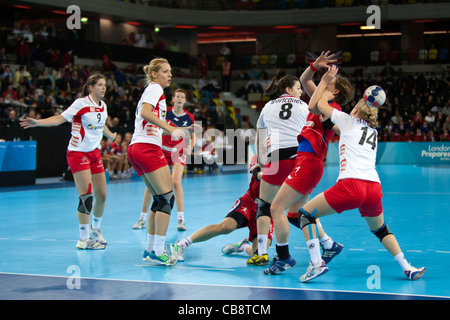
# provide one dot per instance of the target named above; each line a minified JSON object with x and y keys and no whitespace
{"x":323,"y":61}
{"x":323,"y":105}
{"x":321,"y":88}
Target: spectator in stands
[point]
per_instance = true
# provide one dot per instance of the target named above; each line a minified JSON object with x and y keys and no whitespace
{"x":418,"y":119}
{"x":430,"y":137}
{"x":160,"y":44}
{"x":203,"y":65}
{"x":7,"y":73}
{"x":12,"y":119}
{"x":225,"y":50}
{"x":46,"y":81}
{"x":10,"y":94}
{"x":3,"y":56}
{"x":445,"y":136}
{"x":108,"y":64}
{"x":174,"y":47}
{"x":419,"y":136}
{"x":21,"y":72}
{"x":446,"y":125}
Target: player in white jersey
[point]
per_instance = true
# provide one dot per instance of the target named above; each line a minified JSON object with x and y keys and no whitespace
{"x":358,"y":184}
{"x":283,"y":118}
{"x":88,"y":116}
{"x":148,"y":160}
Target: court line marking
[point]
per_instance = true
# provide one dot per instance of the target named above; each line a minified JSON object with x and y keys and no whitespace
{"x":298,"y":248}
{"x":181,"y":267}
{"x":233,"y":286}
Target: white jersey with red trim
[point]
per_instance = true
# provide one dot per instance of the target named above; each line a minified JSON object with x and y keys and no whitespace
{"x":357,"y":147}
{"x":284,"y":119}
{"x":145,"y":132}
{"x":88,"y":120}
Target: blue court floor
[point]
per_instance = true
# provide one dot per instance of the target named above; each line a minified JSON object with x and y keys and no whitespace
{"x":39,"y":230}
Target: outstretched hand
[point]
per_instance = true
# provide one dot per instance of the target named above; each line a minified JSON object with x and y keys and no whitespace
{"x":330,"y":74}
{"x":325,"y":60}
{"x":28,"y":123}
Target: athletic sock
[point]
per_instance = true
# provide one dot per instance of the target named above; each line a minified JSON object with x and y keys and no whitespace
{"x":181,"y":215}
{"x":262,"y":244}
{"x":143,"y":216}
{"x":84,"y":231}
{"x":158,"y":246}
{"x":326,"y":242}
{"x":400,"y":258}
{"x":96,"y":221}
{"x":150,"y":242}
{"x":314,"y":251}
{"x":282,"y":250}
{"x":185,"y":242}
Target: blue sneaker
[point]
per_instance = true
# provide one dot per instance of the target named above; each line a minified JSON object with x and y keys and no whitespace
{"x":329,"y":254}
{"x":163,"y":259}
{"x":277,"y":265}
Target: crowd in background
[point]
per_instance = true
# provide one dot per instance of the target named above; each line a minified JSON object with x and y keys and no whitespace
{"x":40,"y":83}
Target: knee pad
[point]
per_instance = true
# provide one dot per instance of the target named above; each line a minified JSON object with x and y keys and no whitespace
{"x":165,"y":202}
{"x":154,"y":203}
{"x":382,"y":232}
{"x":85,"y":204}
{"x":263,"y":208}
{"x":305,"y":218}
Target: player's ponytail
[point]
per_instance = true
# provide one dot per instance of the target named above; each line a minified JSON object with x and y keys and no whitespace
{"x":367,"y":113}
{"x":91,"y":81}
{"x":274,"y":90}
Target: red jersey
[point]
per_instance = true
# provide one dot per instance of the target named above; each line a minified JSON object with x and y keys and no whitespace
{"x":318,"y":136}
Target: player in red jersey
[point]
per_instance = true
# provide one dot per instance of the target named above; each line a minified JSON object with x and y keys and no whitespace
{"x":88,"y":116}
{"x":242,"y":214}
{"x":309,"y":165}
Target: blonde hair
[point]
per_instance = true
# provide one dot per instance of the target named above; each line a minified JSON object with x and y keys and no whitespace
{"x":154,"y":65}
{"x":367,"y":113}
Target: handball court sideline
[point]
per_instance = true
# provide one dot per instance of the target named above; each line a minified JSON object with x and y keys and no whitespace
{"x":38,"y":234}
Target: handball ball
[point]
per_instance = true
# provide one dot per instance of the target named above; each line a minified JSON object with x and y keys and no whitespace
{"x":374,"y":96}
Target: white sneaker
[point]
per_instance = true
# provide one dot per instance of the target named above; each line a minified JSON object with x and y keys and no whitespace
{"x":177,"y":251}
{"x":181,"y":226}
{"x":415,"y":273}
{"x":235,"y":247}
{"x":89,"y":244}
{"x":96,"y":235}
{"x":139,"y":225}
{"x":313,"y":272}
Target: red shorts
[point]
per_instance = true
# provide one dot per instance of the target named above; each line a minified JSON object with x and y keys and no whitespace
{"x":244,"y":212}
{"x":175,"y":158}
{"x":79,"y":161}
{"x":276,"y":172}
{"x":146,"y":157}
{"x":348,"y":194}
{"x":307,"y":172}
